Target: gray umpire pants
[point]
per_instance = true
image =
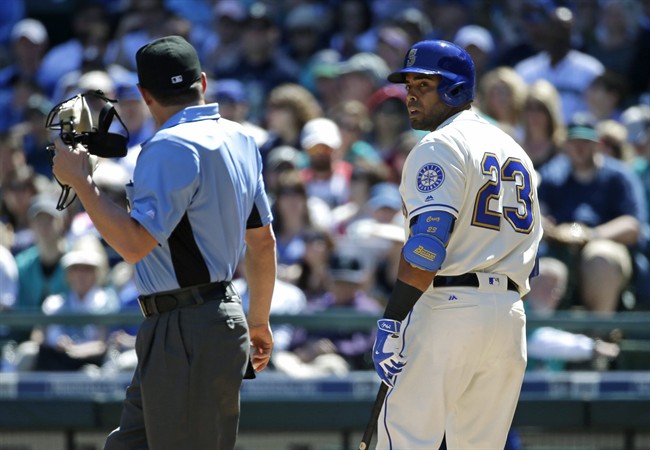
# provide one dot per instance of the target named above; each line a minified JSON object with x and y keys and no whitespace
{"x":185,"y":391}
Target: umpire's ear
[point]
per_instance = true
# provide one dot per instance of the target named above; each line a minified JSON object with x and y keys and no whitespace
{"x":204,"y":82}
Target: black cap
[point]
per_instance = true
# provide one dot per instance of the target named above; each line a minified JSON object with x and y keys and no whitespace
{"x":168,"y":64}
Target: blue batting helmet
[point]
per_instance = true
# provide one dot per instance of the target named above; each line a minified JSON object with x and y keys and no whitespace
{"x":443,"y":58}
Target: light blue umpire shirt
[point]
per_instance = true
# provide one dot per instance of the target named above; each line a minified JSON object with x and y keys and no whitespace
{"x":197,"y":186}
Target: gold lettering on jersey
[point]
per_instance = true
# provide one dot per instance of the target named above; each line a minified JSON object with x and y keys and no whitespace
{"x":432,"y":229}
{"x":433,"y":219}
{"x":424,"y":253}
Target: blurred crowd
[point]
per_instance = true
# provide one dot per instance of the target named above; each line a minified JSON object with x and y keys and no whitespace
{"x":569,"y":80}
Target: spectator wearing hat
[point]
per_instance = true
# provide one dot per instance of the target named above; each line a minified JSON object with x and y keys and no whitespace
{"x":71,"y":347}
{"x":29,"y":41}
{"x":83,"y":82}
{"x":389,"y":118}
{"x":392,"y":44}
{"x":111,"y":178}
{"x":636,"y":120}
{"x":39,"y":267}
{"x":261,"y":65}
{"x":19,"y":79}
{"x":353,"y":120}
{"x":333,"y":351}
{"x":322,"y":78}
{"x":382,"y":226}
{"x":136,"y":117}
{"x":306,"y":29}
{"x":361,"y":75}
{"x":132,"y":109}
{"x":593,"y":213}
{"x":385,"y":202}
{"x":327,"y":176}
{"x":233,"y":105}
{"x":280,"y":160}
{"x":479,"y":44}
{"x":356,"y":208}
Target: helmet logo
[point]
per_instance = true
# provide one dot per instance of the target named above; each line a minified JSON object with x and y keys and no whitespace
{"x":411,"y":57}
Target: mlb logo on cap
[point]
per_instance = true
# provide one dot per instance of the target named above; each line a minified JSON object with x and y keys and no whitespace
{"x":169,"y":63}
{"x":494,"y":281}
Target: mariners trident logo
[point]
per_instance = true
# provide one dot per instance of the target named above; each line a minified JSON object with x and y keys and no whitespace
{"x":410,"y":60}
{"x":430,"y":177}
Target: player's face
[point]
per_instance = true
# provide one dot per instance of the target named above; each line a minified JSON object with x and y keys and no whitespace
{"x":426,"y":110}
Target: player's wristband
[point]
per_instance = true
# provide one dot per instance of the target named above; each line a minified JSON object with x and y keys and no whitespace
{"x":401,"y":301}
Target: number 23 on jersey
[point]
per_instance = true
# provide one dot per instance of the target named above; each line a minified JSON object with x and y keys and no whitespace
{"x":519,"y":214}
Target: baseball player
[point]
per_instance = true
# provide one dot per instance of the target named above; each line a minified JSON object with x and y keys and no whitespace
{"x":451,"y":345}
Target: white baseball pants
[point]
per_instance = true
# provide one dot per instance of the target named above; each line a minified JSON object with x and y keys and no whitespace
{"x":466,"y":357}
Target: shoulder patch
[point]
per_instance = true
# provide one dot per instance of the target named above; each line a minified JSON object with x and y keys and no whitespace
{"x":430,"y":177}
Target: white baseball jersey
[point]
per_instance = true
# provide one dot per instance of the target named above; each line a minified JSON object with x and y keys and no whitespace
{"x":465,"y":346}
{"x":479,"y":174}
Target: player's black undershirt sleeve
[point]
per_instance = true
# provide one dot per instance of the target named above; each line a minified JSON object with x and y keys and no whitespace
{"x":401,"y":301}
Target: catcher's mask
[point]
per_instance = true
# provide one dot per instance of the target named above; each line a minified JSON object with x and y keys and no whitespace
{"x":73,"y":120}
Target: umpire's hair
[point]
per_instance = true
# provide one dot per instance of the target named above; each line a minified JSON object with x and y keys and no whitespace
{"x":187,"y":96}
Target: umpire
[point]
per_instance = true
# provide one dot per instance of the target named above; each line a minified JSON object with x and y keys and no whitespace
{"x":196,"y":201}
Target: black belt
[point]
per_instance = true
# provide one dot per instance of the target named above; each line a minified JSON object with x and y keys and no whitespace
{"x":468,"y":279}
{"x":195,"y":295}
